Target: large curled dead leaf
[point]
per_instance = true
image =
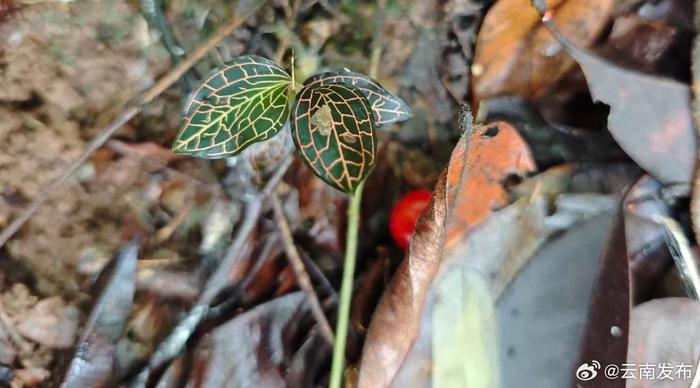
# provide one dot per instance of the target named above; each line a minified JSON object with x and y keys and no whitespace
{"x":649,"y":116}
{"x":482,"y":165}
{"x":500,"y":255}
{"x":515,"y":54}
{"x":495,"y":152}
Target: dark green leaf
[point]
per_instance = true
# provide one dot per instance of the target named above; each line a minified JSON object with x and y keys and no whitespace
{"x":333,"y":129}
{"x":240,"y":103}
{"x":388,"y":108}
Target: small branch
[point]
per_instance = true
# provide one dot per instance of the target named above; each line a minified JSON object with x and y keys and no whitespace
{"x":153,"y":12}
{"x":153,"y":163}
{"x":299,"y":270}
{"x":125,"y":116}
{"x":164,"y":233}
{"x":320,"y":279}
{"x":218,"y":280}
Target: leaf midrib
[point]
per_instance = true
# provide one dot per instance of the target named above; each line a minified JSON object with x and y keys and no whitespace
{"x":229,"y":109}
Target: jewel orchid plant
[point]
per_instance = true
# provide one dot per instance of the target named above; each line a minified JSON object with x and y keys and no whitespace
{"x":333,"y":120}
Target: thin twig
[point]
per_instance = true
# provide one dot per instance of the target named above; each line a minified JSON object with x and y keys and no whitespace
{"x":153,"y":12}
{"x":167,"y":231}
{"x":125,"y":116}
{"x":299,"y":270}
{"x":319,"y":278}
{"x":153,"y":163}
{"x":253,"y":209}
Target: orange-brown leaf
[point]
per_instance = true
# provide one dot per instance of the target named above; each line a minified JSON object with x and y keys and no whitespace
{"x":468,"y":191}
{"x":477,"y":175}
{"x":515,"y":54}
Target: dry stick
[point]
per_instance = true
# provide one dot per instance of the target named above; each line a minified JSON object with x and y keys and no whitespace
{"x":299,"y":269}
{"x":152,"y":163}
{"x":253,"y":209}
{"x":132,"y":110}
{"x":177,"y":340}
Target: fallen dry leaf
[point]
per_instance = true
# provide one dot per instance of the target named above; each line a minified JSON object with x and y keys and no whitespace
{"x":607,"y":323}
{"x":253,"y":349}
{"x":394,"y":324}
{"x":695,"y":84}
{"x":93,"y":362}
{"x":649,"y":116}
{"x":493,"y":153}
{"x":541,"y":315}
{"x":516,"y":55}
{"x":479,"y":168}
{"x":51,"y":322}
{"x":650,"y":37}
{"x":664,"y":331}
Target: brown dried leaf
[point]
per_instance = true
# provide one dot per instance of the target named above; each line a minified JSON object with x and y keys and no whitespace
{"x":51,"y":322}
{"x":462,"y":198}
{"x":253,"y":349}
{"x":479,"y":168}
{"x":607,"y":324}
{"x":93,"y":362}
{"x":664,"y":331}
{"x":649,"y":116}
{"x":515,"y":54}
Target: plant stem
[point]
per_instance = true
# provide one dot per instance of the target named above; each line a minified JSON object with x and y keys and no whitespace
{"x":341,"y":329}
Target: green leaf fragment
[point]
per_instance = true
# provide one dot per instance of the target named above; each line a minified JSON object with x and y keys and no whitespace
{"x":240,"y":103}
{"x":388,"y":108}
{"x":333,"y":129}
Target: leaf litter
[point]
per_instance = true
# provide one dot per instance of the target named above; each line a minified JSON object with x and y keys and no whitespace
{"x":559,"y":225}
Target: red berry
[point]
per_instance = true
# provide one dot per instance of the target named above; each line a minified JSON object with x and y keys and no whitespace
{"x":405,"y":214}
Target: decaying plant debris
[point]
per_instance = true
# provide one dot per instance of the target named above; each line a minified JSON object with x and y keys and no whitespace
{"x":558,"y":139}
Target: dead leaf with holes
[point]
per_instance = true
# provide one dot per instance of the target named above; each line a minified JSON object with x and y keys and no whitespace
{"x":516,"y":55}
{"x":463,"y":198}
